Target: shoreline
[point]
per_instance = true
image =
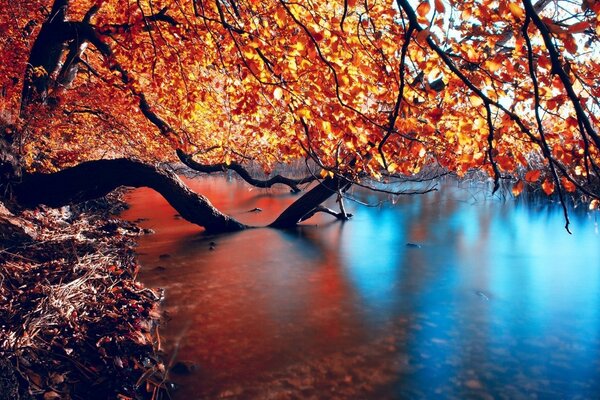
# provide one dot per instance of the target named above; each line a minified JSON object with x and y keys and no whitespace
{"x":75,"y":321}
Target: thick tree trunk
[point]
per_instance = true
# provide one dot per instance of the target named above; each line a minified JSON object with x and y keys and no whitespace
{"x":9,"y":161}
{"x":310,"y":201}
{"x":45,"y":54}
{"x":94,"y":179}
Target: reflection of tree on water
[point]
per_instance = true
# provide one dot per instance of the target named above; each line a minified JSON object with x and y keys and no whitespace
{"x":350,"y":307}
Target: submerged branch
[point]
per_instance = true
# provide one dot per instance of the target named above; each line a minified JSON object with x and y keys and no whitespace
{"x":311,"y":200}
{"x":342,"y":215}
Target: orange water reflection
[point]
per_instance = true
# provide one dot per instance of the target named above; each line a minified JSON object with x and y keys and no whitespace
{"x":497,"y":301}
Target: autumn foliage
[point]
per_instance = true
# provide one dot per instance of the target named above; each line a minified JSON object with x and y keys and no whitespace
{"x":360,"y":88}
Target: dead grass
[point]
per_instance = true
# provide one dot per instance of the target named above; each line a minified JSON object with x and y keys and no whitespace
{"x":75,"y":323}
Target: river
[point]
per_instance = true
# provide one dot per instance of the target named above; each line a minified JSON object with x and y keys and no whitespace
{"x":453,"y":294}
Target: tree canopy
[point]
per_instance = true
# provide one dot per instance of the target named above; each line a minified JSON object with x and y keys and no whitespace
{"x":361,"y":88}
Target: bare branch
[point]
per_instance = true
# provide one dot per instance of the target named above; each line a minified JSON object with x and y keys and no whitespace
{"x":559,"y":70}
{"x":244,"y":174}
{"x":339,"y":215}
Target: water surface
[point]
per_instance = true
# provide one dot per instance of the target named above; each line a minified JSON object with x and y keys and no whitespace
{"x":496,"y":301}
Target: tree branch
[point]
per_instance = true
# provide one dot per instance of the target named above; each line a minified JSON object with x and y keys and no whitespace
{"x":538,"y":119}
{"x":558,"y":69}
{"x":339,"y":215}
{"x":161,"y":16}
{"x":243,"y":173}
{"x":312,"y":199}
{"x":94,"y":179}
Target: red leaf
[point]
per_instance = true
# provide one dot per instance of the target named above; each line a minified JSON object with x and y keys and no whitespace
{"x":578,"y":27}
{"x":568,"y":185}
{"x":548,"y":186}
{"x":517,"y":188}
{"x":533,"y":176}
{"x":439,"y":6}
{"x":423,"y":9}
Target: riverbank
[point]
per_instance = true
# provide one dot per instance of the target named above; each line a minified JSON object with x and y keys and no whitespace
{"x":75,"y":322}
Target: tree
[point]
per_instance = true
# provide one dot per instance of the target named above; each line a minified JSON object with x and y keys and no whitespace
{"x":360,"y":90}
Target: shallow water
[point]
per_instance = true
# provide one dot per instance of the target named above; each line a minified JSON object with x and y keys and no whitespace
{"x":496,"y":301}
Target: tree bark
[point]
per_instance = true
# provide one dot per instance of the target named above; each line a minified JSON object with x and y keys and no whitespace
{"x":46,"y":53}
{"x":309,"y":201}
{"x":94,"y":179}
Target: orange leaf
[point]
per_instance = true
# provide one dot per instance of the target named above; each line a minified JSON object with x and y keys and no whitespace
{"x":505,"y":162}
{"x":517,"y":188}
{"x":548,"y":186}
{"x":567,"y":184}
{"x":578,"y":27}
{"x":516,"y":11}
{"x":423,"y":9}
{"x":466,"y":14}
{"x":423,"y":35}
{"x":439,"y":6}
{"x":552,"y":26}
{"x":494,"y":65}
{"x":476,"y":101}
{"x":533,"y":176}
{"x":570,"y":44}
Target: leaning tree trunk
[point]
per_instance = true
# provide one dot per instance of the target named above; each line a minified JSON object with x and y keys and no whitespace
{"x":94,"y":179}
{"x":312,"y":199}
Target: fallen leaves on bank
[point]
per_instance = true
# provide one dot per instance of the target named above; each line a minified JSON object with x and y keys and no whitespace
{"x":74,"y":322}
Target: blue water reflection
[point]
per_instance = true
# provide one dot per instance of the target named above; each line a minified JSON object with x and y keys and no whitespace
{"x":533,"y":315}
{"x":496,"y":301}
{"x":373,"y":252}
